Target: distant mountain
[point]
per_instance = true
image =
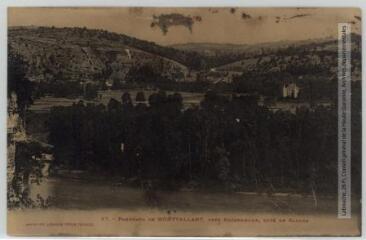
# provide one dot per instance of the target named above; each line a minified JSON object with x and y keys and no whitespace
{"x":212,"y":49}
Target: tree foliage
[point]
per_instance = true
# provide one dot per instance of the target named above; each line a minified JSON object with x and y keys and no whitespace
{"x":230,"y":141}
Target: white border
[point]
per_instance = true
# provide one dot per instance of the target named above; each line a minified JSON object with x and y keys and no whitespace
{"x":159,"y":3}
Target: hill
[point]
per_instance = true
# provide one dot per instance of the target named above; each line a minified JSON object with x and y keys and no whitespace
{"x":73,"y":54}
{"x":99,"y":56}
{"x":215,"y":49}
{"x":296,"y":58}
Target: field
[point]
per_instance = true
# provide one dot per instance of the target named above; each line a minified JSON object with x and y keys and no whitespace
{"x":44,"y":104}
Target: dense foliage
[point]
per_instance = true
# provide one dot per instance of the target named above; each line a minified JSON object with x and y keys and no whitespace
{"x":18,"y":82}
{"x":233,"y":143}
{"x":25,"y":167}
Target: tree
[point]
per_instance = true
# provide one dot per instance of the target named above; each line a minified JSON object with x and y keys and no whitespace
{"x":91,"y":91}
{"x":113,"y":105}
{"x":140,"y":97}
{"x":18,"y":82}
{"x":222,"y":164}
{"x":126,"y":99}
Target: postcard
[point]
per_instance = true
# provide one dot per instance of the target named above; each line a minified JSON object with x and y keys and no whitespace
{"x":155,"y":121}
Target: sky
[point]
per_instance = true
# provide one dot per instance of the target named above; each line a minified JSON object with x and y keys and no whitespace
{"x":168,"y":26}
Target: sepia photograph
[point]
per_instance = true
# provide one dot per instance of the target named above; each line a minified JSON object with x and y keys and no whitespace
{"x":184,"y":122}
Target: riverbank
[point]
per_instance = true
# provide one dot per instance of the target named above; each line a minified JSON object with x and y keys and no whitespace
{"x":90,"y":195}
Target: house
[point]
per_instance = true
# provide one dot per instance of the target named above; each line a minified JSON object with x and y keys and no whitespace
{"x":290,"y":90}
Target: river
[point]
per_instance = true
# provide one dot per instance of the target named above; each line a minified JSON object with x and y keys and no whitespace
{"x":74,"y":193}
